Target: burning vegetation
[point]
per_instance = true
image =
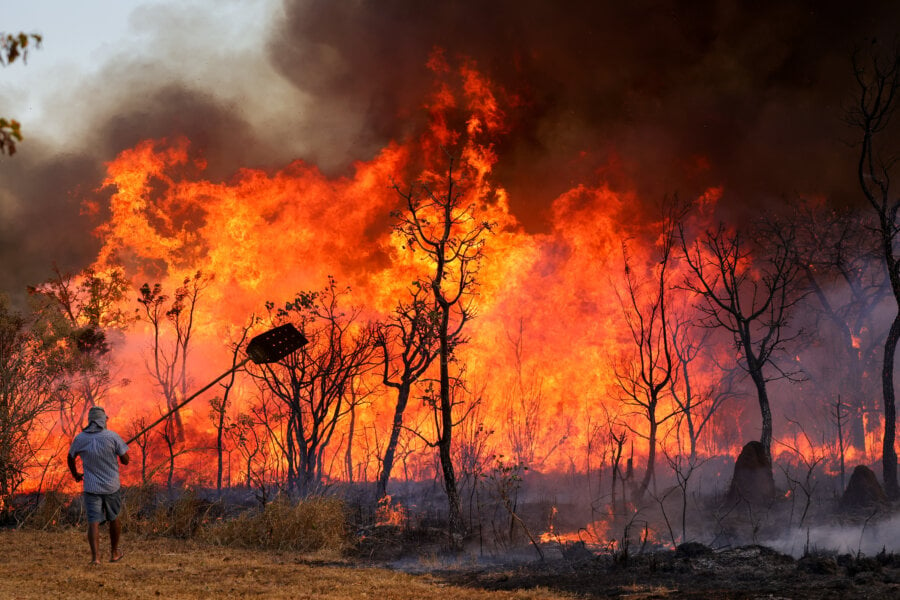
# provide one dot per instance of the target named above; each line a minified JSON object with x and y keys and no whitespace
{"x":643,"y":374}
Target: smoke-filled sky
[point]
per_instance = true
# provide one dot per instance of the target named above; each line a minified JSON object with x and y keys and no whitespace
{"x":661,"y":97}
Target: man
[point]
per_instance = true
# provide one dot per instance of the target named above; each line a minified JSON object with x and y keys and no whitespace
{"x":99,"y":449}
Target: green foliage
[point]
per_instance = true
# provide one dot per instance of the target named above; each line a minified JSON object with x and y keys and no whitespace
{"x":10,"y":133}
{"x":15,"y":45}
{"x":12,"y":47}
{"x":76,"y":317}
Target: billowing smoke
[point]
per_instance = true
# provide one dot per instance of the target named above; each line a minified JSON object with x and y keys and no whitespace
{"x":660,"y":97}
{"x":665,"y":96}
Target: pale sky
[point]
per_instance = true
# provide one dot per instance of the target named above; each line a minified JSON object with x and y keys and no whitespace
{"x":80,"y":38}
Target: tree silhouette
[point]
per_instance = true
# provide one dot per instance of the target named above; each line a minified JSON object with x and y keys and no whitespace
{"x":168,"y":359}
{"x":749,"y":290}
{"x":439,"y":218}
{"x":644,"y":379}
{"x":27,"y":368}
{"x":313,"y":384}
{"x":409,"y":345}
{"x":878,"y":78}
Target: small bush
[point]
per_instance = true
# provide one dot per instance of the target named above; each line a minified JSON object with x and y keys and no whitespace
{"x":137,"y":505}
{"x":147,"y":512}
{"x":51,"y":512}
{"x":312,"y":525}
{"x":182,"y":517}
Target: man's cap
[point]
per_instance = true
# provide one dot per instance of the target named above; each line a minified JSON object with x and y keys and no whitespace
{"x":97,"y":415}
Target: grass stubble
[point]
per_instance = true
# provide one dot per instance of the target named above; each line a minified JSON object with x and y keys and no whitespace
{"x":54,"y":564}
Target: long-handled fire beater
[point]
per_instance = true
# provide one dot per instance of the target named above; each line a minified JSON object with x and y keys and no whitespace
{"x":271,"y":346}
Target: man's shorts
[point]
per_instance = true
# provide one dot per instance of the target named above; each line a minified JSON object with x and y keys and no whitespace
{"x":103,"y":507}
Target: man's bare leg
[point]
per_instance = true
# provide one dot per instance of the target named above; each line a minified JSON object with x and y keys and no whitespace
{"x":115,"y":532}
{"x":93,"y":535}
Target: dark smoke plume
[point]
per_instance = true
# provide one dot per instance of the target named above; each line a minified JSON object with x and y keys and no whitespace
{"x":660,"y":96}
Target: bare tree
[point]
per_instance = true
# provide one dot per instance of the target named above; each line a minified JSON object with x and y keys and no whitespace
{"x":472,"y":446}
{"x":752,"y":304}
{"x":169,"y":359}
{"x":811,"y":459}
{"x":617,"y":435}
{"x":253,"y":435}
{"x":358,"y":395}
{"x":169,"y":436}
{"x":313,"y":384}
{"x":137,"y":431}
{"x":644,"y":379}
{"x":841,"y":262}
{"x":439,"y":218}
{"x":219,"y":406}
{"x":409,"y":345}
{"x":697,"y":402}
{"x":878,"y":79}
{"x":839,"y":415}
{"x":530,"y":441}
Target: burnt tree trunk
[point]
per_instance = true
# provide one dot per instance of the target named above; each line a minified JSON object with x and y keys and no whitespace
{"x":755,"y":369}
{"x":651,"y":455}
{"x":889,"y":453}
{"x":445,"y":441}
{"x":877,"y":73}
{"x":391,"y":451}
{"x":765,"y":411}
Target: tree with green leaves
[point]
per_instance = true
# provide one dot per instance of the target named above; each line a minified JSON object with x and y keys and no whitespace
{"x":77,"y":314}
{"x":27,"y":370}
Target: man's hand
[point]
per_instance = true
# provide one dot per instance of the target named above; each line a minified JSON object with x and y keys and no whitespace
{"x":70,"y":460}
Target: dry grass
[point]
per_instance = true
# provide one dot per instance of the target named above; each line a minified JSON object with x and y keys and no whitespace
{"x":181,"y":517}
{"x":53,"y":564}
{"x":312,"y":525}
{"x":50,"y":513}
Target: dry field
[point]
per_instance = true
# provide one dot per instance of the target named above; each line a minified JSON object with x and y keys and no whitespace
{"x":54,"y":564}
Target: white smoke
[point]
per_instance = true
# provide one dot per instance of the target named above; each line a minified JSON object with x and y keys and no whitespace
{"x":865,"y":537}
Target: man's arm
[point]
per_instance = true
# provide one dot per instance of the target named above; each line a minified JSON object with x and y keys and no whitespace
{"x":75,"y":474}
{"x":124,"y":458}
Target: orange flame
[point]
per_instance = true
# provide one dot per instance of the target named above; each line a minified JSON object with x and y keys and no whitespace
{"x":265,"y":235}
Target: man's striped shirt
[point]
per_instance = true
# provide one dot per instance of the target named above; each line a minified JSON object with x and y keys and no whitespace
{"x":99,"y":451}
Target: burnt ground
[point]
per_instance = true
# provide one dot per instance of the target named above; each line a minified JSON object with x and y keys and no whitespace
{"x":692,"y":571}
{"x":698,"y":572}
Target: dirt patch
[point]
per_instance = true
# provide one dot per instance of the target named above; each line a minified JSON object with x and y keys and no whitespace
{"x":44,"y":564}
